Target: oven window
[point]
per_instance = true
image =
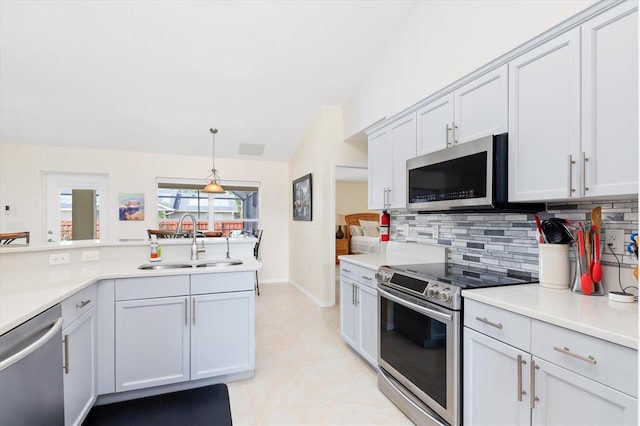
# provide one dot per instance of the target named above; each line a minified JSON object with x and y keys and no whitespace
{"x":416,"y":346}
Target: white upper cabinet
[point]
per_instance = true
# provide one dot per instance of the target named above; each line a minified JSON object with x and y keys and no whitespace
{"x":573,"y":112}
{"x":389,"y":150}
{"x":434,"y":125}
{"x":544,"y":120}
{"x":610,"y":102}
{"x":477,"y":109}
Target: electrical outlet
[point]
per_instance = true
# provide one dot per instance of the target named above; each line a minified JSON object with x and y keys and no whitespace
{"x":58,"y":258}
{"x":434,"y":231}
{"x":90,"y":255}
{"x":615,"y":237}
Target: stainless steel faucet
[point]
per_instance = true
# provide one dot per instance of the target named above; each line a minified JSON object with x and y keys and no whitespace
{"x":194,"y":245}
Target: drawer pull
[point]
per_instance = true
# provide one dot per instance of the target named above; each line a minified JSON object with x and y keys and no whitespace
{"x":567,"y":351}
{"x":492,"y":324}
{"x":82,"y":304}
{"x":346,"y":270}
{"x":366,"y":277}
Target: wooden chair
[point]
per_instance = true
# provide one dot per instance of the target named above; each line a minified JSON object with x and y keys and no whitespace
{"x":256,"y":254}
{"x":9,"y":237}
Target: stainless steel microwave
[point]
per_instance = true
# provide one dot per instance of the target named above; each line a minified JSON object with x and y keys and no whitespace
{"x":472,"y":176}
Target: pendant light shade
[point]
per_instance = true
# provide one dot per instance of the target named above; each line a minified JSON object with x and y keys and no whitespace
{"x":213,"y":180}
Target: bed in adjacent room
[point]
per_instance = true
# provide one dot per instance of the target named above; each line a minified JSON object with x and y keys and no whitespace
{"x":363,"y":232}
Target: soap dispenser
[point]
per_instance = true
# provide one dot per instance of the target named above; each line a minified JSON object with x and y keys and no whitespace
{"x":154,"y":255}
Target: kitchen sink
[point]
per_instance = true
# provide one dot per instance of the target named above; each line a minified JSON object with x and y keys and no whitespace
{"x":225,"y":262}
{"x":165,"y":266}
{"x":204,"y":264}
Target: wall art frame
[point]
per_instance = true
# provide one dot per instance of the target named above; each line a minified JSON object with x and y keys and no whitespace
{"x":302,"y":197}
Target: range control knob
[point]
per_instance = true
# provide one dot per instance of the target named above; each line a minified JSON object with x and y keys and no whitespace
{"x":382,"y":277}
{"x":445,"y":294}
{"x":433,"y":291}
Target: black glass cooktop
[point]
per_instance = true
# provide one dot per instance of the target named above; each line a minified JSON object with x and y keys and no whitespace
{"x":461,"y":275}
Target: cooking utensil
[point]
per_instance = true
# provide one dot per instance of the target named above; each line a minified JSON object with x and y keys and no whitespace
{"x":555,"y":231}
{"x":587,"y":247}
{"x":596,"y":271}
{"x":596,"y":218}
{"x":539,"y":226}
{"x":585,"y":281}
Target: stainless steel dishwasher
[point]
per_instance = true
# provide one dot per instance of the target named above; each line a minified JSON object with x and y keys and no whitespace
{"x":31,"y":386}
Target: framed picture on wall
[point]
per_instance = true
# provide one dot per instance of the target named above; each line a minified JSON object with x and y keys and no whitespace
{"x":302,"y":198}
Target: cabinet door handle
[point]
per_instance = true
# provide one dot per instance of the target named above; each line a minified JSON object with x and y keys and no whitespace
{"x":193,"y":310}
{"x":571,"y":163}
{"x":83,"y":303}
{"x":565,"y":350}
{"x":521,"y":391}
{"x":583,"y":171}
{"x":186,"y":312}
{"x":66,"y":353}
{"x":357,"y":297}
{"x":386,"y":196}
{"x":492,"y":324}
{"x":453,"y":132}
{"x":533,"y":398}
{"x":447,"y":129}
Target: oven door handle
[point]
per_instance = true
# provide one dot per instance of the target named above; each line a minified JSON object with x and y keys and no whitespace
{"x":414,"y":307}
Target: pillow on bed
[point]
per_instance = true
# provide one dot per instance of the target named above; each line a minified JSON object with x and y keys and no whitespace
{"x":356,"y":231}
{"x":370,"y":228}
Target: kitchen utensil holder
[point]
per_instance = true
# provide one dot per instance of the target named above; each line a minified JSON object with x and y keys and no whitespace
{"x":598,"y":289}
{"x":554,"y":266}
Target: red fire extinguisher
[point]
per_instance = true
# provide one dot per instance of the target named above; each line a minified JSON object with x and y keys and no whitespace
{"x":385,"y":219}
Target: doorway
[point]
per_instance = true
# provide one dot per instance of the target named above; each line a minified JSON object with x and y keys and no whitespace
{"x":343,"y":173}
{"x":73,"y":206}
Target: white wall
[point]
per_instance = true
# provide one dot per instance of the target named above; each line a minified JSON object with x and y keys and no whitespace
{"x":351,"y":197}
{"x":22,"y":187}
{"x":443,"y":41}
{"x":312,"y":244}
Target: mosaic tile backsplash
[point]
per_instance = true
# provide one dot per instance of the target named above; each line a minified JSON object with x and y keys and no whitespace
{"x":507,"y":241}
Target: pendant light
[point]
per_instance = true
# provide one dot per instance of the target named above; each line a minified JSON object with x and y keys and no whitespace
{"x":213,"y":180}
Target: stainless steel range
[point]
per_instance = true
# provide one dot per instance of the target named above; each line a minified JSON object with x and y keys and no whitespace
{"x":419,"y":340}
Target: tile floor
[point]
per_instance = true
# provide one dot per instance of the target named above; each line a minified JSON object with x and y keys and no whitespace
{"x":305,"y":373}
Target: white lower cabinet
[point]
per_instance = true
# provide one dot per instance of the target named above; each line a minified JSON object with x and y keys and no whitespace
{"x":79,"y":351}
{"x":166,"y":332}
{"x":519,"y":371}
{"x":359,"y":310}
{"x":222,"y":334}
{"x":152,"y":342}
{"x":566,"y":398}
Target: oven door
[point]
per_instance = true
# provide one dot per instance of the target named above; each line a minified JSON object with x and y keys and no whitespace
{"x":418,"y":347}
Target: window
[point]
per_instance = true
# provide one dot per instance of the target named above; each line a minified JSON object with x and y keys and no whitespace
{"x":232,"y":212}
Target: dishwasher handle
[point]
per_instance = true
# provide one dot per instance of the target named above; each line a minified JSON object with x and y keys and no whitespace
{"x":12,"y":359}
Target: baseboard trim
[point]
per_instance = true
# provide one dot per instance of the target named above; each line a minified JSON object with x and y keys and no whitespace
{"x":314,"y":299}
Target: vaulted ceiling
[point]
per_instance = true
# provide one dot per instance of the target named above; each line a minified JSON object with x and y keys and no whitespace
{"x":154,"y":76}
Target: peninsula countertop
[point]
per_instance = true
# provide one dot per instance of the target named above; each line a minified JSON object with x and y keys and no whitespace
{"x":26,"y":292}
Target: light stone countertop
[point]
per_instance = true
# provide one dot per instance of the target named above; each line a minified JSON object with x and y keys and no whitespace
{"x":595,"y":316}
{"x":592,"y":315}
{"x":25,"y":293}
